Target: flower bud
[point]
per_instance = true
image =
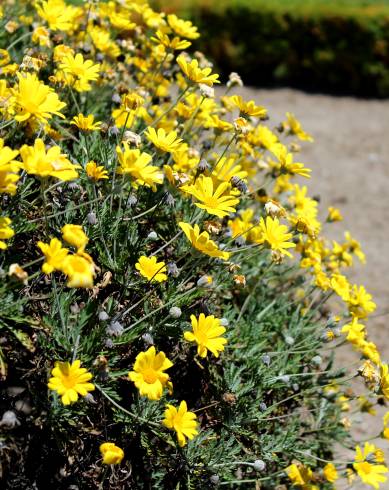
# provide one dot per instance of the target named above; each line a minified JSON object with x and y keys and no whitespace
{"x":175,"y":312}
{"x":259,"y":465}
{"x":91,"y":217}
{"x":289,"y":340}
{"x":148,"y":338}
{"x":266,"y":359}
{"x":103,"y":316}
{"x":9,"y":420}
{"x":204,"y":282}
{"x":224,"y":322}
{"x":152,"y":236}
{"x":234,"y":79}
{"x":214,"y":479}
{"x":132,"y":200}
{"x":317,"y":360}
{"x":207,"y":91}
{"x":203,"y":165}
{"x":115,"y":329}
{"x":172,"y":269}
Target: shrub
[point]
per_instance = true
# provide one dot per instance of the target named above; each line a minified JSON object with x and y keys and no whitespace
{"x":164,"y":279}
{"x":340,"y":47}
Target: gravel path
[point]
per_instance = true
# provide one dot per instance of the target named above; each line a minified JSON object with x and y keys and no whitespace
{"x":350,"y":170}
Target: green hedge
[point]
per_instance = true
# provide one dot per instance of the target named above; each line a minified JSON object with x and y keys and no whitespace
{"x":337,"y":46}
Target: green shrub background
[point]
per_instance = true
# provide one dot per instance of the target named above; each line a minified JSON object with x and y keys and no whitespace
{"x":336,"y":46}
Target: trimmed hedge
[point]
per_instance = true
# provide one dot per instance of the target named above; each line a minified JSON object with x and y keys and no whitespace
{"x":340,"y":47}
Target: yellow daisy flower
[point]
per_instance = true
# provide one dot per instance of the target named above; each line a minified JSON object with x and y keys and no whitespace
{"x":275,"y":236}
{"x":50,"y":163}
{"x":182,"y":421}
{"x":96,"y":172}
{"x":70,"y":381}
{"x":168,"y":142}
{"x":6,"y":232}
{"x":207,"y":332}
{"x":151,"y":269}
{"x":81,"y":71}
{"x":111,"y":453}
{"x":148,"y":373}
{"x":217,"y":201}
{"x":35,"y":99}
{"x":86,"y":123}
{"x":196,"y":74}
{"x":75,"y":235}
{"x":202,"y":242}
{"x":54,"y":255}
{"x":136,"y":164}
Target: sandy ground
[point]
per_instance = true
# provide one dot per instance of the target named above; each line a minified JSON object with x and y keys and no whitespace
{"x":350,"y":170}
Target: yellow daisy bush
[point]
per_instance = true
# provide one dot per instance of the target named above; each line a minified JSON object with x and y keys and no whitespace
{"x":157,"y":228}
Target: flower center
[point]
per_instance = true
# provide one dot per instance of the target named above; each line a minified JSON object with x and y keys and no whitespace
{"x":150,"y":376}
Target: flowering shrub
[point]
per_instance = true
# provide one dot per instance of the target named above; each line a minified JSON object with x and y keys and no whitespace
{"x":164,"y":275}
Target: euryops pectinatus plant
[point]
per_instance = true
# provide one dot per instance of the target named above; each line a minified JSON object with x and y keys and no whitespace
{"x":164,"y":275}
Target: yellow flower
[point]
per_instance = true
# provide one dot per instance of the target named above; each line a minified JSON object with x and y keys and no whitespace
{"x":81,"y":71}
{"x":341,"y":286}
{"x":57,"y":14}
{"x":168,"y":142}
{"x":197,"y":74}
{"x":384,"y":380}
{"x":52,"y":163}
{"x":293,"y":126}
{"x":183,"y":28}
{"x":111,"y":453}
{"x":354,"y":247}
{"x":207,"y":332}
{"x":334,"y":215}
{"x":70,"y":381}
{"x":35,"y":99}
{"x":41,"y":36}
{"x":80,"y":270}
{"x":8,"y":169}
{"x":202,"y":242}
{"x":182,"y":421}
{"x":330,"y":473}
{"x":275,"y":236}
{"x":86,"y":123}
{"x":148,"y":374}
{"x":151,"y":269}
{"x":75,"y":235}
{"x":54,"y":255}
{"x":285,"y":164}
{"x":360,"y":302}
{"x":248,"y":108}
{"x":174,"y":44}
{"x":214,"y":202}
{"x":242,"y":225}
{"x":300,"y":475}
{"x":6,"y":232}
{"x":136,"y":164}
{"x":368,"y":471}
{"x":96,"y":172}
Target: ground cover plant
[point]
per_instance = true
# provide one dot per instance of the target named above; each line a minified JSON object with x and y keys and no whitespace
{"x":165,"y":278}
{"x":306,"y":44}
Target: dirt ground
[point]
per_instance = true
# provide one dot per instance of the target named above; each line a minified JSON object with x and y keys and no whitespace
{"x":350,"y":170}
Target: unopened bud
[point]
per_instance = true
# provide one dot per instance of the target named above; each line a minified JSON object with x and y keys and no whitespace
{"x":91,"y":217}
{"x":175,"y":312}
{"x":103,"y":316}
{"x":115,"y":329}
{"x":152,"y":236}
{"x":259,"y":465}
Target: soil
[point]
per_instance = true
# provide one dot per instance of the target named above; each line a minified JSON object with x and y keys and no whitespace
{"x":350,"y":170}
